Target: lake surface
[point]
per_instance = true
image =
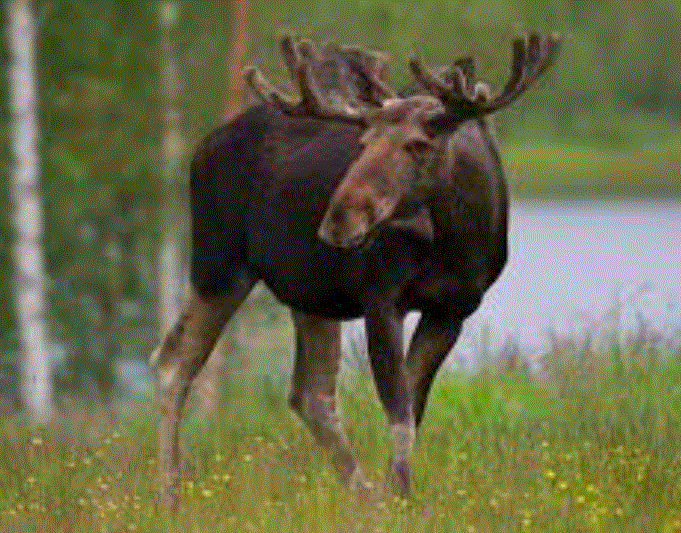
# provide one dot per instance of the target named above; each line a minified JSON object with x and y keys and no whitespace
{"x":576,"y":265}
{"x":573,"y":266}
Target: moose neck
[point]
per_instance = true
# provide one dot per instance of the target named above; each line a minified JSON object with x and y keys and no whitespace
{"x":441,"y":193}
{"x":468,"y":195}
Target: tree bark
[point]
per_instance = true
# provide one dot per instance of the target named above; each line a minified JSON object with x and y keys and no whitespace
{"x":171,"y":277}
{"x":241,"y":26}
{"x":29,"y":263}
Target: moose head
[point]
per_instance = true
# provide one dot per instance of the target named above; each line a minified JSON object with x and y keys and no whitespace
{"x":404,"y":142}
{"x":405,"y":145}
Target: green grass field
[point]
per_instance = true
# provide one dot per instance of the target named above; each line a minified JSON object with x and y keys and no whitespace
{"x":564,"y":169}
{"x":594,"y":445}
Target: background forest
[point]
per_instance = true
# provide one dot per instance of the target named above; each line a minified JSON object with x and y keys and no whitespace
{"x":603,"y":122}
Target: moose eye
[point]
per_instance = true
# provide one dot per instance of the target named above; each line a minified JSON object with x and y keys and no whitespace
{"x":417,"y":148}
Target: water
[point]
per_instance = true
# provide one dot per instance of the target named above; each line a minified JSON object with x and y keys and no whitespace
{"x":571,"y":263}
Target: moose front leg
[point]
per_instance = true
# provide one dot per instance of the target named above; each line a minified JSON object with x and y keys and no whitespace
{"x":176,"y":362}
{"x":313,"y":389}
{"x":432,"y":341}
{"x":384,"y":336}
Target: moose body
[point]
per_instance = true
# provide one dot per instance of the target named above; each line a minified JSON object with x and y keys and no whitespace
{"x":260,"y":186}
{"x":334,"y":219}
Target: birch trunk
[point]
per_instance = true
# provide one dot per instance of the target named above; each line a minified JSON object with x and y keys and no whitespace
{"x":28,"y":253}
{"x":171,"y":285}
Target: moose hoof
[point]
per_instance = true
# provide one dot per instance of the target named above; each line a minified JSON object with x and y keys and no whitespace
{"x":356,"y":481}
{"x":170,"y":480}
{"x":167,"y":497}
{"x":400,"y":479}
{"x":362,"y":490}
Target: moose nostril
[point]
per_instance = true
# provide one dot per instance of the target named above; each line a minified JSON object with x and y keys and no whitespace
{"x":338,"y":216}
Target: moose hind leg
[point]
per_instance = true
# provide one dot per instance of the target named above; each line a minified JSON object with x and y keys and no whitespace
{"x":176,"y":362}
{"x":313,"y":388}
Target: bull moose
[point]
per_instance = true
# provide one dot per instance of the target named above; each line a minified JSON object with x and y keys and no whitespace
{"x":350,"y":202}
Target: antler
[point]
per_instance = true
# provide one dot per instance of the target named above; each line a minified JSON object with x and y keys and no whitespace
{"x":348,"y":83}
{"x":464,"y":98}
{"x":341,"y":82}
{"x":371,"y":70}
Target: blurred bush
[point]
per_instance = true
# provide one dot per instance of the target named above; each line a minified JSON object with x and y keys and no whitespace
{"x":618,"y":82}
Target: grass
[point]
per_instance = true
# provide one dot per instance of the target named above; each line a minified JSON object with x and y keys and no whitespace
{"x":564,"y":169}
{"x":583,"y":447}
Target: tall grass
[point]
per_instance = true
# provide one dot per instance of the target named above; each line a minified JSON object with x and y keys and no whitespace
{"x":588,"y":444}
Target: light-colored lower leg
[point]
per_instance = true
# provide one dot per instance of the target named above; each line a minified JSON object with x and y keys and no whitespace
{"x":313,"y":389}
{"x":384,"y":334}
{"x":176,"y":362}
{"x":402,"y":436}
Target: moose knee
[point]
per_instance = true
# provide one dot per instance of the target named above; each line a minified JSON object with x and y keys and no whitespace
{"x":161,"y":355}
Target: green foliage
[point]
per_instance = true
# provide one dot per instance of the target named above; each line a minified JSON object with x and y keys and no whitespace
{"x":99,"y":109}
{"x":8,"y":344}
{"x":615,"y":88}
{"x":6,"y":302}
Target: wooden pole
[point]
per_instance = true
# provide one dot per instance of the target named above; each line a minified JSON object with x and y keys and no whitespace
{"x":241,"y":24}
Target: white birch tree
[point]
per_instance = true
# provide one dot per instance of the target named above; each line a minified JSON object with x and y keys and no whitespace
{"x":36,"y":378}
{"x":171,"y":271}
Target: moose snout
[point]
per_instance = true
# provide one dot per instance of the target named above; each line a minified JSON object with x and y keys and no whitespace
{"x":346,"y":227}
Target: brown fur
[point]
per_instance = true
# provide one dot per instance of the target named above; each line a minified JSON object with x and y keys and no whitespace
{"x":429,"y":207}
{"x":258,"y":196}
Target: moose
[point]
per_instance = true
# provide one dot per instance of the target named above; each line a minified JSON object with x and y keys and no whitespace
{"x":350,"y":202}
